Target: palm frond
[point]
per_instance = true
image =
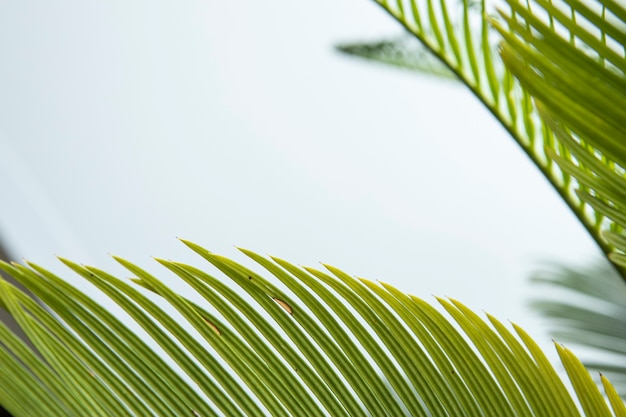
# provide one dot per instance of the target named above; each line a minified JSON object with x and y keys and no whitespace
{"x":590,"y":311}
{"x":459,"y":34}
{"x":402,"y":52}
{"x":321,"y":342}
{"x":570,"y":57}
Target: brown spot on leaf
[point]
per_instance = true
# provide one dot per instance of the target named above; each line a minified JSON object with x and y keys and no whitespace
{"x":284,"y":305}
{"x":212,"y":326}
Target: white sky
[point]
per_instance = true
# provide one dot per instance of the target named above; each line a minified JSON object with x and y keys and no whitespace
{"x":124,"y":124}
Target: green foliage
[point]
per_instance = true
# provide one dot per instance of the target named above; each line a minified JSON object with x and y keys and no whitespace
{"x":321,"y":343}
{"x":572,"y":62}
{"x":582,"y":46}
{"x":569,"y":56}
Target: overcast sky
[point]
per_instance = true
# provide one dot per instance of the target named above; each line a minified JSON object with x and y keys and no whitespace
{"x":124,"y":124}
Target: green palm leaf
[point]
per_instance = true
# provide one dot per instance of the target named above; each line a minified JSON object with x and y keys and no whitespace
{"x":321,"y":342}
{"x":583,"y":65}
{"x":459,"y":34}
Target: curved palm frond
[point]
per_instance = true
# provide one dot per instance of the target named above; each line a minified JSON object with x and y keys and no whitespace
{"x":460,"y":35}
{"x":592,"y":313}
{"x":570,"y":57}
{"x":326,"y":343}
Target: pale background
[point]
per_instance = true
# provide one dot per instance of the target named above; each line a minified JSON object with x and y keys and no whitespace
{"x":124,"y":124}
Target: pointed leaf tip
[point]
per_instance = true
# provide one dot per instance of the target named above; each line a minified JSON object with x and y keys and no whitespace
{"x":245,"y":251}
{"x":190,"y":243}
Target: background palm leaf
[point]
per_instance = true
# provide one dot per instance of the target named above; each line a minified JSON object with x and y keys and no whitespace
{"x":402,"y":52}
{"x":590,"y":310}
{"x":346,"y":346}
